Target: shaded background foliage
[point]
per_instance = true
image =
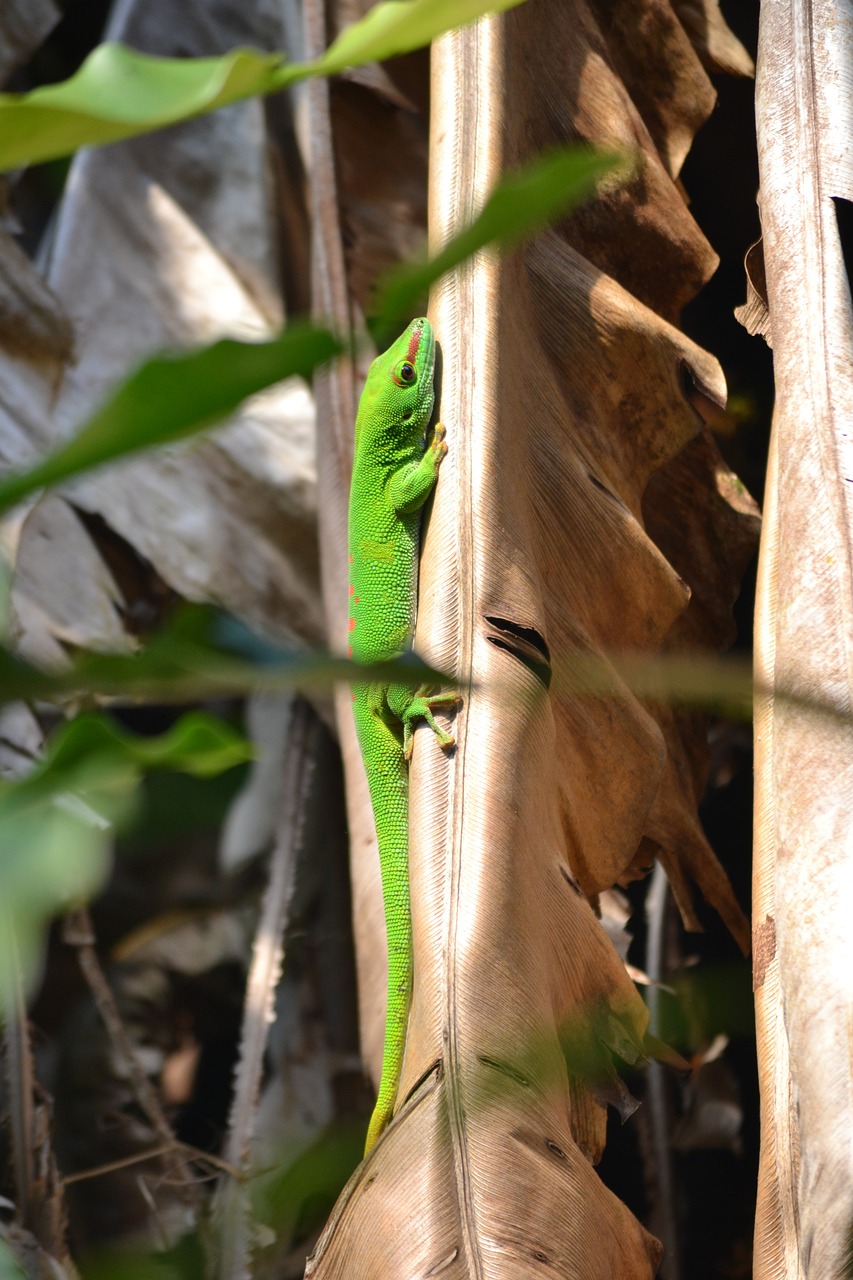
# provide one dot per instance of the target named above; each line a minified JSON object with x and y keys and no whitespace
{"x":183,"y":1004}
{"x":716,"y":1188}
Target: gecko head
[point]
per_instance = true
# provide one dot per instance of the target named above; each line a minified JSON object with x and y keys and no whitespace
{"x":401,"y":380}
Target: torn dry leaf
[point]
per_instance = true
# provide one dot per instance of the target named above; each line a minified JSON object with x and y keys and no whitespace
{"x":804,"y":642}
{"x":572,"y":432}
{"x":23,"y":26}
{"x":33,"y":325}
{"x":160,"y":245}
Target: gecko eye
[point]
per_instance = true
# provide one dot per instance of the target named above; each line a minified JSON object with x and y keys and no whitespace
{"x":405,"y":374}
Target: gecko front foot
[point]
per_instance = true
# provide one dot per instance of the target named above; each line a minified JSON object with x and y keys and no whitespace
{"x":438,"y":445}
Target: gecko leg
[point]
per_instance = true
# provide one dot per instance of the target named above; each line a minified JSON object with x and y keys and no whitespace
{"x":411,"y":708}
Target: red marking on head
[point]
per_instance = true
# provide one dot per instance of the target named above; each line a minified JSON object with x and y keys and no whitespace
{"x":352,"y":624}
{"x":352,"y":697}
{"x":414,"y":343}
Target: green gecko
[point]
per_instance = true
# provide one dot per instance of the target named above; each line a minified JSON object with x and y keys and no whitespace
{"x":394,"y":472}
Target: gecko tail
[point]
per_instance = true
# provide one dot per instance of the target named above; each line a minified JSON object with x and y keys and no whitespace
{"x":389,"y":1084}
{"x":396,"y":1025}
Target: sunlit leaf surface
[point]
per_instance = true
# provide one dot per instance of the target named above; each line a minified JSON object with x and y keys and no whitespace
{"x":523,"y":203}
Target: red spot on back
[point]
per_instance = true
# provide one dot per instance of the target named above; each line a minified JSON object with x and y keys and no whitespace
{"x":349,"y":655}
{"x":351,"y":589}
{"x":352,"y":624}
{"x":414,"y":343}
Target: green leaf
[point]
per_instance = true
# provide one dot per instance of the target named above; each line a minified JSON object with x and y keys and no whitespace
{"x":198,"y":743}
{"x":121,"y":1264}
{"x":54,"y":852}
{"x":21,"y":682}
{"x":300,"y":1193}
{"x":522,"y":204}
{"x":56,"y":824}
{"x":174,"y":396}
{"x":119,"y":93}
{"x":202,"y":653}
{"x":9,"y":1269}
{"x":182,"y":664}
{"x":714,"y":683}
{"x":399,"y":26}
{"x":93,"y":759}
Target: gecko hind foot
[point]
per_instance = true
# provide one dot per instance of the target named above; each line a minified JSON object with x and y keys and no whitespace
{"x":420,"y":708}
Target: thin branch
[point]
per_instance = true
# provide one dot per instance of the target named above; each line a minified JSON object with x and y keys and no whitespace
{"x":20,"y":1081}
{"x":78,"y":932}
{"x":659,"y":1126}
{"x":233,"y":1239}
{"x":194,"y":1154}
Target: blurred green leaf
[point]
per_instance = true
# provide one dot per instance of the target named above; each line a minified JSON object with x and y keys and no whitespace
{"x":715,"y":683}
{"x":202,"y":653}
{"x":706,"y":1000}
{"x":5,"y":594}
{"x":522,"y":204}
{"x":174,"y":396}
{"x":52,"y":855}
{"x":198,"y":744}
{"x":174,"y":805}
{"x":57,"y":822}
{"x":9,"y":1269}
{"x":119,"y":93}
{"x":121,"y":1264}
{"x":205,"y":653}
{"x":297,"y":1197}
{"x":400,"y":26}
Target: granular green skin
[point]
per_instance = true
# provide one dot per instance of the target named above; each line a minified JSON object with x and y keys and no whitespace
{"x":394,"y":472}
